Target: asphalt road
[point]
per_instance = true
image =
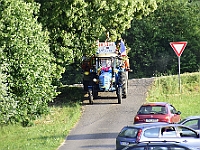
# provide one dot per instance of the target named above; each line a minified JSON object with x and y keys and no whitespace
{"x":101,"y":122}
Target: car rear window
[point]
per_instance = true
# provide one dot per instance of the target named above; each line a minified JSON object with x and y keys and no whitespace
{"x":152,"y":109}
{"x":129,"y":132}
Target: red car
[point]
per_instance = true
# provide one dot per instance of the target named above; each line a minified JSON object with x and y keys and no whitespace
{"x":157,"y":112}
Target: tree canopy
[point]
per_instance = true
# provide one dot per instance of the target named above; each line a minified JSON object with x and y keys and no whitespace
{"x":149,"y":39}
{"x":27,"y":66}
{"x":76,"y":25}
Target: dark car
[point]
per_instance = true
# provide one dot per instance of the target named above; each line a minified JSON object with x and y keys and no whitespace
{"x":157,"y":132}
{"x":192,"y":122}
{"x":159,"y":146}
{"x":157,"y":112}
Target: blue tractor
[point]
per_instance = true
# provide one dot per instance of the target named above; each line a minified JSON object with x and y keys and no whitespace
{"x":106,"y":73}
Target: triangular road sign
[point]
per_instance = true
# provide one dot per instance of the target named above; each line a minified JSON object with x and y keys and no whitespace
{"x":178,"y":47}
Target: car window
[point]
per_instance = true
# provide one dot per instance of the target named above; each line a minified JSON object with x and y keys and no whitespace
{"x":152,"y":132}
{"x":166,"y":148}
{"x":152,"y":110}
{"x":158,"y":148}
{"x":139,"y":148}
{"x":145,"y":110}
{"x":149,"y":147}
{"x":168,"y":132}
{"x":172,"y":109}
{"x":181,"y":122}
{"x":185,"y":132}
{"x":163,"y":110}
{"x":192,"y":123}
{"x":178,"y":148}
{"x":129,"y":132}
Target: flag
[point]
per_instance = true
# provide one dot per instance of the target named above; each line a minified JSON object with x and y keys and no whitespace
{"x":122,"y":48}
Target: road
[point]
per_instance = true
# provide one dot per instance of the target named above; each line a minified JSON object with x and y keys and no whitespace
{"x":101,"y":122}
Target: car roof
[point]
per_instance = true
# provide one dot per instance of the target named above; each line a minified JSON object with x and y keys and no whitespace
{"x":164,"y":143}
{"x":155,"y":103}
{"x":159,"y":142}
{"x":192,"y":117}
{"x":144,"y":125}
{"x":156,"y":124}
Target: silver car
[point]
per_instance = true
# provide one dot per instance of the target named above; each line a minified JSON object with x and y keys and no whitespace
{"x":157,"y":132}
{"x":192,"y":122}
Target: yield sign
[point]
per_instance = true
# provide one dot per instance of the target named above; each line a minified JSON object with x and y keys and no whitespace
{"x":178,"y":47}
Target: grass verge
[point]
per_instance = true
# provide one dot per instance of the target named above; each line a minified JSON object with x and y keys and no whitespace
{"x":48,"y":131}
{"x":186,"y":100}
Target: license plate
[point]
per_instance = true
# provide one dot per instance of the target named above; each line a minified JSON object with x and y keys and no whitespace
{"x":151,"y":120}
{"x":124,"y":143}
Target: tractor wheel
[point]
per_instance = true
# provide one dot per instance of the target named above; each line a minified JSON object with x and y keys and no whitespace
{"x":85,"y":85}
{"x":119,"y":95}
{"x":90,"y":96}
{"x":124,"y":82}
{"x":95,"y":94}
{"x":125,"y":89}
{"x":121,"y":77}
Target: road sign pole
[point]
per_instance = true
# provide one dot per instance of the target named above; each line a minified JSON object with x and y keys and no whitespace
{"x":179,"y":74}
{"x":178,"y":48}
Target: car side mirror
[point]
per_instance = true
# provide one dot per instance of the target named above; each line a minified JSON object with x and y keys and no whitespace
{"x":178,"y":112}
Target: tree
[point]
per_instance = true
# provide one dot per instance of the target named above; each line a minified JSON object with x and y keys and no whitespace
{"x":75,"y":26}
{"x":149,"y":39}
{"x":7,"y":103}
{"x":27,"y":79}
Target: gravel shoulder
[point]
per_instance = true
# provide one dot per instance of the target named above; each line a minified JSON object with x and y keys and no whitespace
{"x":101,"y":122}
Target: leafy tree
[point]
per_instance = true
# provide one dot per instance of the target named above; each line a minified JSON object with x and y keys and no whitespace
{"x":7,"y":103}
{"x":27,"y":79}
{"x":149,"y":39}
{"x":75,"y":26}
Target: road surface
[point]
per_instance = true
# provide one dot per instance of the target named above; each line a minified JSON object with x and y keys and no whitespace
{"x":101,"y":122}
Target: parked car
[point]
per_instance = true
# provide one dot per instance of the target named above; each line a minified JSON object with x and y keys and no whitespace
{"x":157,"y":132}
{"x":157,"y":112}
{"x":192,"y":122}
{"x":159,"y":146}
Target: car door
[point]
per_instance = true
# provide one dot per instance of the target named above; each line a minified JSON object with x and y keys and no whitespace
{"x":188,"y":136}
{"x":179,"y":134}
{"x":174,"y":116}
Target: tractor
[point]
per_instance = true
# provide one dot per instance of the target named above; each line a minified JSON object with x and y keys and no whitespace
{"x":106,"y":71}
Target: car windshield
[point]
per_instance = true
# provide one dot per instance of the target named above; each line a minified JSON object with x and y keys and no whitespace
{"x":148,"y":109}
{"x":181,"y":121}
{"x":129,"y":132}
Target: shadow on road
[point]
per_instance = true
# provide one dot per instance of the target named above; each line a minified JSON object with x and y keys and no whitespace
{"x":92,"y":136}
{"x":98,"y":146}
{"x":100,"y":100}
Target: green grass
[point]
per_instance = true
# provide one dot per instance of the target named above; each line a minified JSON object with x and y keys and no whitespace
{"x":50,"y":131}
{"x":167,"y":89}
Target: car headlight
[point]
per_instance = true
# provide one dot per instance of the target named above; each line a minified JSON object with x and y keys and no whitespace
{"x":95,"y":80}
{"x":86,"y":73}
